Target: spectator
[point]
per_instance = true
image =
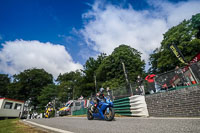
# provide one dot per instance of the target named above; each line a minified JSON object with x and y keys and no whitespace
{"x":80,"y":98}
{"x":181,"y":76}
{"x":109,"y":93}
{"x":137,"y":92}
{"x":30,"y":115}
{"x":140,"y":84}
{"x":151,"y":84}
{"x":165,"y":87}
{"x":157,"y":86}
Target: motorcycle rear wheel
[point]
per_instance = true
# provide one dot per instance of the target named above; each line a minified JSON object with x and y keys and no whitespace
{"x":89,"y":114}
{"x":109,"y":116}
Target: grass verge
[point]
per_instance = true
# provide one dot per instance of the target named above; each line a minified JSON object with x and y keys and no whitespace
{"x":15,"y":126}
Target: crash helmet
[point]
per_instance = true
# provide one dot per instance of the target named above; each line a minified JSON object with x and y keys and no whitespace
{"x":101,"y":89}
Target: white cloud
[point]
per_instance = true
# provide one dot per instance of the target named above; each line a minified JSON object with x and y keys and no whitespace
{"x":18,"y":55}
{"x":175,"y":13}
{"x":143,"y":30}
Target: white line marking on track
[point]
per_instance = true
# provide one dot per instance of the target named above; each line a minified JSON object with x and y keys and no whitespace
{"x":49,"y":128}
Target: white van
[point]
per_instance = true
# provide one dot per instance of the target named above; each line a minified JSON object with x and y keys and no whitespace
{"x":11,"y":108}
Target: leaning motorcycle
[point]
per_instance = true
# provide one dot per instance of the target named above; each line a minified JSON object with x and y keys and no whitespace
{"x":104,"y":110}
{"x":48,"y":112}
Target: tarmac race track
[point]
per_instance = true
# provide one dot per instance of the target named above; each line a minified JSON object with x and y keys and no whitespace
{"x":123,"y":125}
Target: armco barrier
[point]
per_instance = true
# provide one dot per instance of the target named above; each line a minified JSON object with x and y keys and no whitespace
{"x":131,"y":106}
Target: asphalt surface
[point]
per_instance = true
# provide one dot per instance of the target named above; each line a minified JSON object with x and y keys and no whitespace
{"x":123,"y":125}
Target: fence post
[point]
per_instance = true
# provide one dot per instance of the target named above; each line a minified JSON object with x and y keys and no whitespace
{"x":72,"y":109}
{"x":130,"y":87}
{"x":193,"y":75}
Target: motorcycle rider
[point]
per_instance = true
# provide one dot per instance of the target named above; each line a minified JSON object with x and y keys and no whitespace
{"x":99,"y":96}
{"x":49,"y":108}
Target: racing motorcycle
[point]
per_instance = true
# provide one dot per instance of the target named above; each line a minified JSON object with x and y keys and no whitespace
{"x":48,"y":112}
{"x":104,"y":110}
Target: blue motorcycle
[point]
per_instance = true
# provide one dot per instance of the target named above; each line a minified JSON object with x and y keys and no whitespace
{"x":104,"y":110}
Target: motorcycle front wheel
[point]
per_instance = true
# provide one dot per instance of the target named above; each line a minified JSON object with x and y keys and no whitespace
{"x":109,"y":114}
{"x":89,"y":114}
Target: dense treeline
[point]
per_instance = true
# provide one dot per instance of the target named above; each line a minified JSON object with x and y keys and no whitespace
{"x":39,"y":87}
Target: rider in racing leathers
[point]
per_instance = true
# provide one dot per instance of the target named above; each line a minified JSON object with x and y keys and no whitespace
{"x":99,"y":96}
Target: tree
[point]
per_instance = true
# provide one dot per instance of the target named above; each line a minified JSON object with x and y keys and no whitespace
{"x":186,"y":36}
{"x":69,"y":85}
{"x":29,"y":83}
{"x":90,"y":70}
{"x":4,"y":83}
{"x":48,"y":94}
{"x":111,"y":73}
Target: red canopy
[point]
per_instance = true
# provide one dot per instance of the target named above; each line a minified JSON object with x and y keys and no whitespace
{"x":149,"y":78}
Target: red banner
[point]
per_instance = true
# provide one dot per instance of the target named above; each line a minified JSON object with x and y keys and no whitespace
{"x":195,"y":59}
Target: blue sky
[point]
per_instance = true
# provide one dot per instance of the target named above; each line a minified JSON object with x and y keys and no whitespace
{"x":60,"y":35}
{"x":43,"y":20}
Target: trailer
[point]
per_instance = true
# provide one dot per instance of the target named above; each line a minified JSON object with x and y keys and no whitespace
{"x":11,"y":108}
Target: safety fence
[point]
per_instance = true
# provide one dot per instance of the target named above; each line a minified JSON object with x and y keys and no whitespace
{"x":185,"y":76}
{"x":131,"y":106}
{"x":156,"y":83}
